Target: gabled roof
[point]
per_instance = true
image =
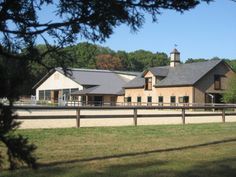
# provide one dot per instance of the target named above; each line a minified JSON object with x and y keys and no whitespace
{"x":159,"y":71}
{"x":187,"y":74}
{"x":102,"y":81}
{"x":182,"y":74}
{"x":95,"y":77}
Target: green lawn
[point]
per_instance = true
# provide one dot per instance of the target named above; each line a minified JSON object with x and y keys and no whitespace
{"x":145,"y":151}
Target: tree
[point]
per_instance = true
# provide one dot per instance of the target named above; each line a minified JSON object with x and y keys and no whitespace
{"x":21,"y":27}
{"x":109,"y":62}
{"x":230,"y":94}
{"x":191,"y":60}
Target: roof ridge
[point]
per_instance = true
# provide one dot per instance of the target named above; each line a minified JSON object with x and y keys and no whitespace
{"x":102,"y":70}
{"x":210,"y":60}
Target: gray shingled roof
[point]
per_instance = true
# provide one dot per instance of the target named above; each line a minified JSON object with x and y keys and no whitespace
{"x":103,"y":81}
{"x":183,"y":74}
{"x":137,"y":82}
{"x":159,"y":71}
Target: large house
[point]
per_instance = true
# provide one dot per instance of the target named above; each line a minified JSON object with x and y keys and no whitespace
{"x":88,"y":86}
{"x":200,"y":82}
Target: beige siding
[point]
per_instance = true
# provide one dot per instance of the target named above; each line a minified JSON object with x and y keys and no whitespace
{"x":166,"y":92}
{"x":120,"y":99}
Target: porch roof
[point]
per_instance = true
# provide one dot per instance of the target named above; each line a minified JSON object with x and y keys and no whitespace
{"x":98,"y":90}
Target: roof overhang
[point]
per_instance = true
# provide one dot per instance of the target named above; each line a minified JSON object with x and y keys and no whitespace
{"x":162,"y":86}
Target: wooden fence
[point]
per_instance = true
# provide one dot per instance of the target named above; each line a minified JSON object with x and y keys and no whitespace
{"x":221,"y":110}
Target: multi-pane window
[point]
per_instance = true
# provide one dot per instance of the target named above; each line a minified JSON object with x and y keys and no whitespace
{"x":47,"y":94}
{"x":217,"y":82}
{"x":41,"y":94}
{"x":148,"y":83}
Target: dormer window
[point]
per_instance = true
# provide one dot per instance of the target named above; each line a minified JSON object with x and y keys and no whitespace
{"x":148,"y":83}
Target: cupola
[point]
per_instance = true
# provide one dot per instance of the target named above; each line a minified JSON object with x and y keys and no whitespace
{"x":174,"y":58}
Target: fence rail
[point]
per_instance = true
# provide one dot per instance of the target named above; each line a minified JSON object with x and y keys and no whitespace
{"x":221,"y":110}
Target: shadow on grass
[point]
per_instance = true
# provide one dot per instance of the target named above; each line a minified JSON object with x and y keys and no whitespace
{"x":219,"y":168}
{"x":153,"y":168}
{"x":148,"y":167}
{"x":140,"y":153}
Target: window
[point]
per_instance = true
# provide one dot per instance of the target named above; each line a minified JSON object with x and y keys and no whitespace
{"x":148,"y":83}
{"x":128,"y":99}
{"x":41,"y":94}
{"x":139,"y":99}
{"x":149,"y":100}
{"x":74,"y":90}
{"x":66,"y":92}
{"x":184,"y":99}
{"x":172,"y":100}
{"x":217,"y":82}
{"x":47,"y":94}
{"x":160,"y":100}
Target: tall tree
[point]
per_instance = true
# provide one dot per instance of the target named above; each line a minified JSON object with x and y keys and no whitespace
{"x":21,"y":26}
{"x":230,"y":94}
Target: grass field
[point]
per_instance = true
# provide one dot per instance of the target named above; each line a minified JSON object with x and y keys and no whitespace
{"x":203,"y":150}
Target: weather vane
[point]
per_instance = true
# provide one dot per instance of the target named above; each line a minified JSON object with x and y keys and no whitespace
{"x":176,"y":45}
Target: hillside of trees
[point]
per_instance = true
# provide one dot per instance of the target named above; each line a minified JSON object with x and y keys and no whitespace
{"x":87,"y":55}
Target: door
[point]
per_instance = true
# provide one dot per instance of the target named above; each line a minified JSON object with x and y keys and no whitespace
{"x":55,"y":96}
{"x":98,"y":100}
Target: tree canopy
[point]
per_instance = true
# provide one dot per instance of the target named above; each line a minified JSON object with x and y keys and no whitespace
{"x":22,"y":26}
{"x":230,"y":95}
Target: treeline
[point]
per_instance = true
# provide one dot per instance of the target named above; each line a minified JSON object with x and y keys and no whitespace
{"x":86,"y":55}
{"x":231,"y":62}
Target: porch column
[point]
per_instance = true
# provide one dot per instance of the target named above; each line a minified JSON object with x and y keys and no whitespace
{"x":86,"y":99}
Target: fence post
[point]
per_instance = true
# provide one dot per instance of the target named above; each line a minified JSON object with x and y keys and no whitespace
{"x":223,"y":115}
{"x":135,"y":117}
{"x":78,"y":118}
{"x":183,"y":115}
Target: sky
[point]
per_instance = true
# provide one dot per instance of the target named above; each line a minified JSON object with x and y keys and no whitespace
{"x":206,"y":31}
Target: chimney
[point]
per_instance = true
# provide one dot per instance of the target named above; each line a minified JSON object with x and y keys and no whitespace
{"x":174,"y":58}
